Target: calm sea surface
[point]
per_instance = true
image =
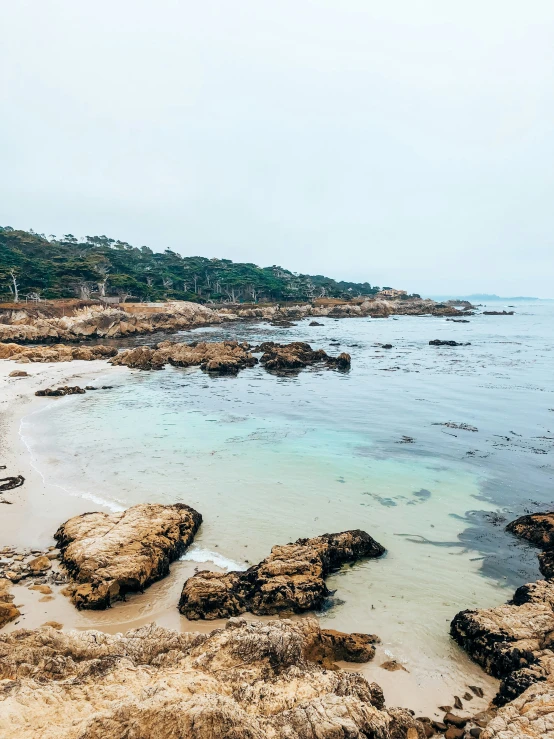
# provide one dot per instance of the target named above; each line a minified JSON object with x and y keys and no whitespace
{"x":269,"y":459}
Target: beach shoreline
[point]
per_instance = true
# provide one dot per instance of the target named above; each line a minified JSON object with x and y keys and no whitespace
{"x":40,"y":506}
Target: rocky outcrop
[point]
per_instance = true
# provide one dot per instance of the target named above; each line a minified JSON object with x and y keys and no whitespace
{"x":538,"y":529}
{"x":59,"y":392}
{"x":109,"y":555}
{"x":291,"y":579}
{"x":96,"y":321}
{"x":512,"y":642}
{"x":297,"y":355}
{"x":515,"y":642}
{"x":55,"y":353}
{"x":47,"y":322}
{"x":217,"y":357}
{"x":250,"y":680}
{"x":530,"y":716}
{"x":443,"y":342}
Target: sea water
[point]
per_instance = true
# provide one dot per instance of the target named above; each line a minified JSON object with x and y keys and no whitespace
{"x":269,"y":459}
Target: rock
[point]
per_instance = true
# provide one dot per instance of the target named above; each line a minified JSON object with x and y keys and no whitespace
{"x":291,"y":579}
{"x":8,"y":612}
{"x":297,"y":355}
{"x":458,"y":320}
{"x":392,"y":666}
{"x":109,"y":555}
{"x":458,"y":703}
{"x":453,"y":733}
{"x":512,"y":641}
{"x":315,"y":323}
{"x":386,"y":346}
{"x":440,"y":342}
{"x":445,"y":709}
{"x":451,"y":719}
{"x":18,"y":373}
{"x":538,"y":529}
{"x":54,"y":625}
{"x":53,"y":353}
{"x":60,"y":391}
{"x":44,"y":589}
{"x":498,"y":312}
{"x":217,"y":357}
{"x":439,"y":726}
{"x":39,"y":564}
{"x":337,"y":645}
{"x":467,"y":697}
{"x":475,"y":732}
{"x":249,"y":680}
{"x":477,"y":690}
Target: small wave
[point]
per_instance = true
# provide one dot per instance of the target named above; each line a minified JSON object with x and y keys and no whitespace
{"x":196,"y":554}
{"x":106,"y":502}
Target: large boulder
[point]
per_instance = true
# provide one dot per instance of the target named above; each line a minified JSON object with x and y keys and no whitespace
{"x":250,"y":680}
{"x":109,"y":555}
{"x":291,"y":579}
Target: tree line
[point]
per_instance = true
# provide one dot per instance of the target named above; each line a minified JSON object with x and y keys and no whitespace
{"x":34,"y":267}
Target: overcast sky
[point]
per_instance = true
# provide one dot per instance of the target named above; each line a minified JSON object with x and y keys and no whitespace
{"x":407,"y":143}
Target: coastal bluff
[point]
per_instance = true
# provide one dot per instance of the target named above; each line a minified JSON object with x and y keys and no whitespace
{"x":109,"y":555}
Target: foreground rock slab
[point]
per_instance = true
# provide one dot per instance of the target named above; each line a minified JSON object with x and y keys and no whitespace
{"x":250,"y":680}
{"x":291,"y":579}
{"x":109,"y":555}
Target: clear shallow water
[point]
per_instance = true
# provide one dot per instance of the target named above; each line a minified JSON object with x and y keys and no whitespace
{"x":268,"y":459}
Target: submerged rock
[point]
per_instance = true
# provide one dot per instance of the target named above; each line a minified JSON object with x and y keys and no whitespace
{"x":109,"y":555}
{"x":441,"y":342}
{"x":247,"y":681}
{"x":291,"y":579}
{"x":498,"y":312}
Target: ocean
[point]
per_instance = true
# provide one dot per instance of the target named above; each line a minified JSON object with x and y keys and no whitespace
{"x":431,"y":450}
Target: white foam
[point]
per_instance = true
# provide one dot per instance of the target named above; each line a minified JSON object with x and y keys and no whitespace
{"x":196,"y":554}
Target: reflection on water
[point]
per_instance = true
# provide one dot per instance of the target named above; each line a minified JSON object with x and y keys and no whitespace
{"x":383,"y":447}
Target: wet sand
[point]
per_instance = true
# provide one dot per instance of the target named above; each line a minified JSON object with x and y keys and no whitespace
{"x":38,"y":508}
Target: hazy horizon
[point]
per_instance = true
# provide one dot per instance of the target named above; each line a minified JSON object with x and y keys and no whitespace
{"x":404,"y":143}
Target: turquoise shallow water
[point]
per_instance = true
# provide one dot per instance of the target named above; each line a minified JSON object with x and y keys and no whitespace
{"x":269,"y":459}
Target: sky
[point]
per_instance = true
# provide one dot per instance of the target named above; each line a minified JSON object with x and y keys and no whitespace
{"x":406,"y":143}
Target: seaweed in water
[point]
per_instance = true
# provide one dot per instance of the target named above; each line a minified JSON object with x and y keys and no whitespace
{"x":9,"y":483}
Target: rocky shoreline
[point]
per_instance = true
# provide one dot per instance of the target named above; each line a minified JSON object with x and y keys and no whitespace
{"x":515,"y":642}
{"x":26,"y":325}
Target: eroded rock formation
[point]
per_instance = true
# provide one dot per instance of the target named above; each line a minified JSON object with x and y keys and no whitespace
{"x":108,"y":555}
{"x":515,"y":642}
{"x":218,"y":357}
{"x":51,"y":322}
{"x":55,"y":352}
{"x":246,"y":681}
{"x":291,"y":579}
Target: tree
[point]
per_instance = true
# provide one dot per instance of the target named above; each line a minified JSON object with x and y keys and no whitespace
{"x":14,"y":286}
